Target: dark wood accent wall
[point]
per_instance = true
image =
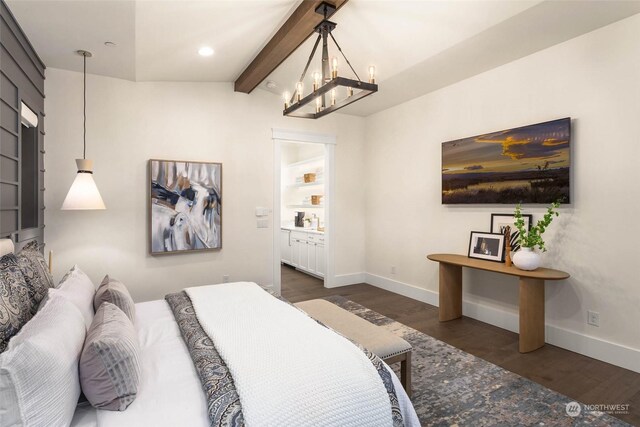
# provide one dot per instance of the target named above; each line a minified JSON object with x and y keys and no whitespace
{"x":21,"y":80}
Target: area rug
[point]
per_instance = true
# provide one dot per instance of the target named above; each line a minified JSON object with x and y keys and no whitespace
{"x":455,"y":388}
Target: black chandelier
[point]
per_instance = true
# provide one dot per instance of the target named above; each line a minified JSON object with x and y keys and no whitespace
{"x":326,"y":96}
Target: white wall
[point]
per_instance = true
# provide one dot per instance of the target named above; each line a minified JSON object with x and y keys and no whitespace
{"x":129,"y":123}
{"x":595,"y":79}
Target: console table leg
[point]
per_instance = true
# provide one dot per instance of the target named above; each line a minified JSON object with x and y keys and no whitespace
{"x":450,"y":292}
{"x":531,"y":314}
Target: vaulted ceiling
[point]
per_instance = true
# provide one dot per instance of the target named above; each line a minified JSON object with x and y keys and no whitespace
{"x":417,"y":46}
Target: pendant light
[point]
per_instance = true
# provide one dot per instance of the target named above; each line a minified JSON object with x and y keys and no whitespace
{"x":84,"y":194}
{"x":330,"y":91}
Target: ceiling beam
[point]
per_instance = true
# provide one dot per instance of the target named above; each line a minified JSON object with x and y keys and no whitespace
{"x":287,"y":39}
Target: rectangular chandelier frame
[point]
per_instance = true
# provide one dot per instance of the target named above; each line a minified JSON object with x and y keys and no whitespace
{"x":365,"y":88}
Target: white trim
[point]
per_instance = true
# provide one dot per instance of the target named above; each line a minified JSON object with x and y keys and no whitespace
{"x":302,"y":136}
{"x":401,"y":288}
{"x":349,"y":279}
{"x":330,"y":215}
{"x":277,"y":254}
{"x":597,"y":348}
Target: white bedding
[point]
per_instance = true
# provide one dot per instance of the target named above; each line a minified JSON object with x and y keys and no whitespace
{"x":170,"y":392}
{"x":288,"y":369}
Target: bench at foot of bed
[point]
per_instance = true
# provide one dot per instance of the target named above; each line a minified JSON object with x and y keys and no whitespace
{"x":386,"y":345}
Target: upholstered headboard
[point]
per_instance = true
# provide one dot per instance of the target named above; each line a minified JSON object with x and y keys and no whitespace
{"x":6,"y":247}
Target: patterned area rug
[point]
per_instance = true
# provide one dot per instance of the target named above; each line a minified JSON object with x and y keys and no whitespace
{"x":454,"y":388}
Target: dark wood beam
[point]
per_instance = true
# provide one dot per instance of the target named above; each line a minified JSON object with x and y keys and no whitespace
{"x":289,"y":37}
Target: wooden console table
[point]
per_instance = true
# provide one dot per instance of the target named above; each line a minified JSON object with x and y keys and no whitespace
{"x":531,"y":293}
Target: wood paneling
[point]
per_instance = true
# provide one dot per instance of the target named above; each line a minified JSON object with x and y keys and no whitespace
{"x":287,"y":39}
{"x":8,"y":144}
{"x":9,"y":170}
{"x":21,"y":80}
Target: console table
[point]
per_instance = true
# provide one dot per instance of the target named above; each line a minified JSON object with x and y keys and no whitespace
{"x":531,"y":293}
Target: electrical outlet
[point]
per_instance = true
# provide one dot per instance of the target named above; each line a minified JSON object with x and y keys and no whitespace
{"x":393,"y":269}
{"x":225,"y":278}
{"x":593,"y":318}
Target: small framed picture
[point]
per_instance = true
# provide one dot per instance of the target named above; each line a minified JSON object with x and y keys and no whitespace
{"x":500,"y":221}
{"x":487,"y":246}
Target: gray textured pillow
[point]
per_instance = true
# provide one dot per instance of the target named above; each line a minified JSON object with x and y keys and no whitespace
{"x":15,"y":305}
{"x":109,"y":364}
{"x":113,"y":291}
{"x":36,"y":274}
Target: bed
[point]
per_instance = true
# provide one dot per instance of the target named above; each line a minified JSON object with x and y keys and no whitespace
{"x":285,"y":368}
{"x":168,"y":372}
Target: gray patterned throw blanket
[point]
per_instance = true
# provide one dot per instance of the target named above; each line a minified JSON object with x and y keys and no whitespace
{"x":223,"y":402}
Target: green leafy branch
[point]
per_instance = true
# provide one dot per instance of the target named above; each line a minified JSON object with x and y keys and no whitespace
{"x":532,"y":238}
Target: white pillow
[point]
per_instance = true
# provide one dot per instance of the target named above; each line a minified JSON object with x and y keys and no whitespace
{"x":39,"y":383}
{"x":78,"y":288}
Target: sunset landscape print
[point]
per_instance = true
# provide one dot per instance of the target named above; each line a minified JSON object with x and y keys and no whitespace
{"x":529,"y":164}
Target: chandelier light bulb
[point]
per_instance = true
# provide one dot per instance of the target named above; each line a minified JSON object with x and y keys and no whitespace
{"x":287,"y":97}
{"x":334,"y":67}
{"x":372,"y":74}
{"x":349,"y":92}
{"x":316,"y":81}
{"x":318,"y":104}
{"x":333,"y":97}
{"x":299,"y":88}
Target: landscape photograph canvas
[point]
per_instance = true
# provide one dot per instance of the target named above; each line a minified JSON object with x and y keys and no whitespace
{"x":529,"y":164}
{"x":186,"y":206}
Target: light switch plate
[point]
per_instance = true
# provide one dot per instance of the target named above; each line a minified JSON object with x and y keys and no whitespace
{"x":262,"y":211}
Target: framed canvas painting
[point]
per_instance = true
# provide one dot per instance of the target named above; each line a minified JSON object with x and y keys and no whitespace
{"x":185,"y":209}
{"x":529,"y":164}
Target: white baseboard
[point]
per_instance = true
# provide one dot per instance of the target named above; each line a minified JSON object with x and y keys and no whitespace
{"x":597,"y":348}
{"x":348,"y":279}
{"x":401,"y":288}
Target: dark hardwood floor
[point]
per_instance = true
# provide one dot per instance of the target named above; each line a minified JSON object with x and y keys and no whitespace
{"x":581,"y":378}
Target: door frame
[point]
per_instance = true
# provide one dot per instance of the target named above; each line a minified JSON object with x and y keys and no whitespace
{"x":280,"y":136}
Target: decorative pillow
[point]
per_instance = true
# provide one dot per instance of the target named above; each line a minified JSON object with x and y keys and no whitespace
{"x":39,"y":383}
{"x":109,"y":365}
{"x":78,"y":288}
{"x":36,"y":274}
{"x":113,"y":291}
{"x":15,"y":305}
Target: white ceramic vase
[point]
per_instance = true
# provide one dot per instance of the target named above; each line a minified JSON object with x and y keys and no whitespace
{"x":526,"y":259}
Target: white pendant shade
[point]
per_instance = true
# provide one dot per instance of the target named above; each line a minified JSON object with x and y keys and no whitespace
{"x":83,"y":194}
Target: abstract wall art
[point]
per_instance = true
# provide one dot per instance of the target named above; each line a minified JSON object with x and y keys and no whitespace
{"x":186,"y":206}
{"x":530,"y":164}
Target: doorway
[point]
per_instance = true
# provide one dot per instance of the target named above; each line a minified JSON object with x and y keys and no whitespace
{"x":303,"y":209}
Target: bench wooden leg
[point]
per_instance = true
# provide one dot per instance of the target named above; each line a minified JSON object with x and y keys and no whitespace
{"x":405,"y":373}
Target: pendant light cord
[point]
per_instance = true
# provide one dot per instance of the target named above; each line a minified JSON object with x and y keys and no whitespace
{"x":84,"y":108}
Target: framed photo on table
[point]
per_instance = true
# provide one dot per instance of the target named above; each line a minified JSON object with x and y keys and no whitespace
{"x":500,"y":221}
{"x":487,"y":246}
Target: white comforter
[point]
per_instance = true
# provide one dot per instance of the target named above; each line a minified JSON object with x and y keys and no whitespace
{"x":170,"y":393}
{"x":288,"y":369}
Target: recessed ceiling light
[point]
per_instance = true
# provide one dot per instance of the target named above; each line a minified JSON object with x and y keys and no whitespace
{"x":205,"y":51}
{"x":271,"y":84}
